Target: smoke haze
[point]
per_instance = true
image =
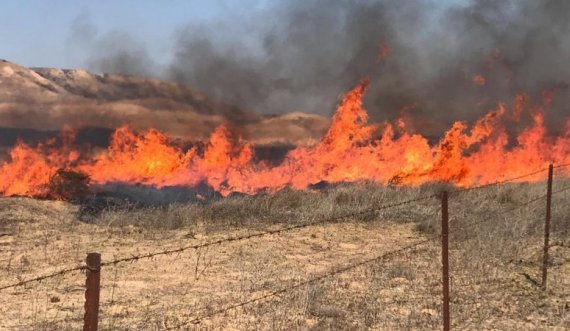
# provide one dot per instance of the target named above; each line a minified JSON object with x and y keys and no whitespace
{"x":112,"y":52}
{"x":445,"y":63}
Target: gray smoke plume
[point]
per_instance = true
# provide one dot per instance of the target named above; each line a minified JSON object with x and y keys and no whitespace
{"x":300,"y":55}
{"x":118,"y":52}
{"x":112,"y":52}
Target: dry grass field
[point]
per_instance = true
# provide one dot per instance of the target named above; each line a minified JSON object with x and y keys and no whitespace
{"x":495,"y":261}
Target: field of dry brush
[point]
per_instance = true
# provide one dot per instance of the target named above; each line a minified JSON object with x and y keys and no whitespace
{"x":495,"y":256}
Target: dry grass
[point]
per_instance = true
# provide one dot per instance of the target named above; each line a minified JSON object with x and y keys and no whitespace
{"x":285,"y":207}
{"x":495,"y":260}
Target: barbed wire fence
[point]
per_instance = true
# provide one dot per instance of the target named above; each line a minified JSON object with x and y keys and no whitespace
{"x":130,"y":259}
{"x":283,"y":290}
{"x":93,"y":264}
{"x":499,"y":258}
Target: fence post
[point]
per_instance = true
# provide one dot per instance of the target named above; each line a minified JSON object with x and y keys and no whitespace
{"x":547,"y":227}
{"x":92,"y":287}
{"x":445,"y":259}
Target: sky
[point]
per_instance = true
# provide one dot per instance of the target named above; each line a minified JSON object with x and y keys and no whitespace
{"x":278,"y":56}
{"x":39,"y":33}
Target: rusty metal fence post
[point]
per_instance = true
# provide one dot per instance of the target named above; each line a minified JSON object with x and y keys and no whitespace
{"x":445,"y":259}
{"x":92,"y":288}
{"x":547,"y":227}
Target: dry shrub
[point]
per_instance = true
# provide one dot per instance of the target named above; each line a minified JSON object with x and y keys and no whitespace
{"x":68,"y":185}
{"x":288,"y":206}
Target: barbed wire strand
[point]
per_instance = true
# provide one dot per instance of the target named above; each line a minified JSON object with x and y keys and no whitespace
{"x":501,"y":182}
{"x":43,"y":277}
{"x":265,"y":233}
{"x":564,"y":189}
{"x":220,"y":241}
{"x":503,"y":212}
{"x":524,"y":204}
{"x":562,"y":166}
{"x":283,"y":290}
{"x":505,"y":181}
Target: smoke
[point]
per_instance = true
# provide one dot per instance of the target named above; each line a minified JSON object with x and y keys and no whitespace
{"x":126,"y":55}
{"x":300,"y":55}
{"x":114,"y":51}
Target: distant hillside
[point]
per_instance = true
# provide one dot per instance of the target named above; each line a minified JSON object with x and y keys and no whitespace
{"x":46,"y":99}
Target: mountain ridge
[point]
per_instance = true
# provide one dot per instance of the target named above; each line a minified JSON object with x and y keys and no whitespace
{"x":48,"y":99}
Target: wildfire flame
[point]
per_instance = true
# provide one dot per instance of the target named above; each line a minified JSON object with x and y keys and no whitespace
{"x":465,"y":156}
{"x":479,"y":80}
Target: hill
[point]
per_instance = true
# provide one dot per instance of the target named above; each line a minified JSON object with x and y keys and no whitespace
{"x":34,"y":100}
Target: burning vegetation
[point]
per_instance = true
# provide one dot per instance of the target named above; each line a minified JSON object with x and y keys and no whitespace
{"x":352,"y":150}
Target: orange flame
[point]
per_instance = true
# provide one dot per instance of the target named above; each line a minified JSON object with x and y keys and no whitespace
{"x":383,"y":53}
{"x":30,"y":169}
{"x":479,"y":80}
{"x":146,"y":158}
{"x":465,"y":156}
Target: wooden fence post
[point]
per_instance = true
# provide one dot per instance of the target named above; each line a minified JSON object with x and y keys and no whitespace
{"x":547,"y":227}
{"x":92,"y":288}
{"x":445,"y":259}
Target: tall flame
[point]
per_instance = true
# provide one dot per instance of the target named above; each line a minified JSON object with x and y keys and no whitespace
{"x":351,"y":150}
{"x":31,"y":168}
{"x":146,"y":158}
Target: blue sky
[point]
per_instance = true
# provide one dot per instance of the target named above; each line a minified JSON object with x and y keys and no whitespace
{"x":39,"y":32}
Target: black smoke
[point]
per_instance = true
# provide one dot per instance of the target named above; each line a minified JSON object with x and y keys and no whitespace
{"x":301,"y":55}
